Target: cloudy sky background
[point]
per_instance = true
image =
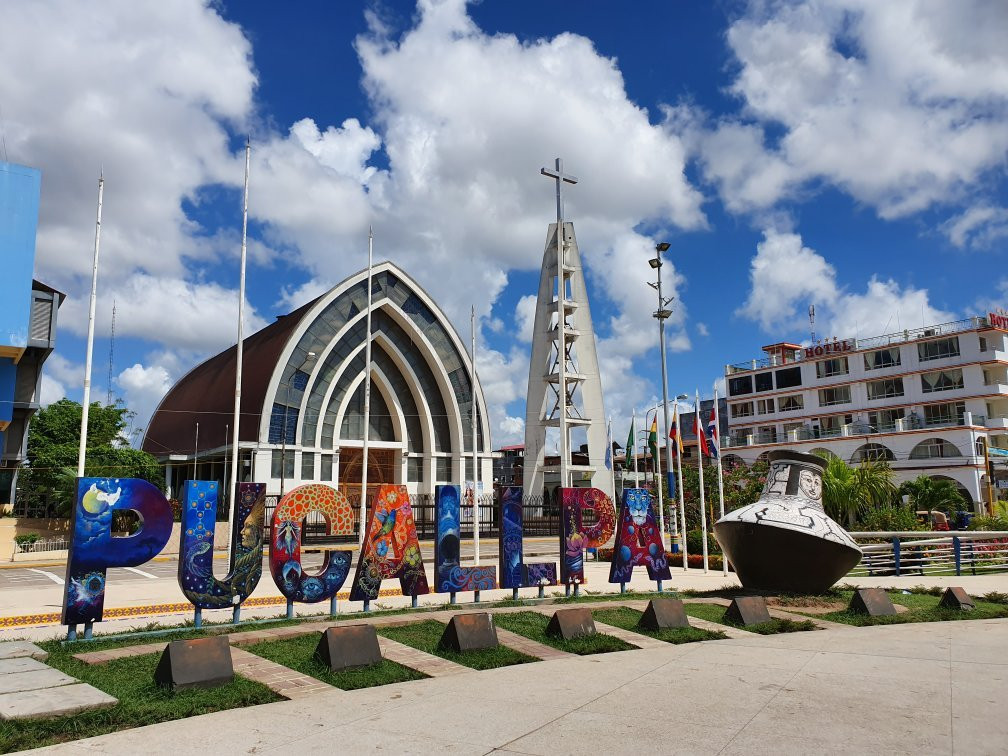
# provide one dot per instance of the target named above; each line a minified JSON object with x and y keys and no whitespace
{"x":843,"y":153}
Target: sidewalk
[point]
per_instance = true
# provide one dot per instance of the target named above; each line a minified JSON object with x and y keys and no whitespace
{"x":931,"y":688}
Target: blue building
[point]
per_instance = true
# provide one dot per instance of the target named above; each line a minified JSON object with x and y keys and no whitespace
{"x":27,"y":318}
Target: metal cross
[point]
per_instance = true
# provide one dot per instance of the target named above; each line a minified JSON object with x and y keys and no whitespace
{"x":559,"y":176}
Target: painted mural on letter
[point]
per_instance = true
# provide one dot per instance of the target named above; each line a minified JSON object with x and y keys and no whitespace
{"x":638,"y":539}
{"x":574,"y":536}
{"x":285,"y":543}
{"x":514,"y":572}
{"x":94,"y":550}
{"x":449,"y":575}
{"x":195,"y":566}
{"x":391,"y":549}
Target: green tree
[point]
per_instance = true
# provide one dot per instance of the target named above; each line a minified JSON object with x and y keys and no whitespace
{"x":849,"y":492}
{"x":933,"y":494}
{"x":53,"y":444}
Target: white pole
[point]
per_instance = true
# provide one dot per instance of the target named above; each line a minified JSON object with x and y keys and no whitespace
{"x":86,"y":403}
{"x":367,"y":391}
{"x":661,"y":508}
{"x":609,"y":452}
{"x":720,"y":475}
{"x":195,"y":458}
{"x":475,"y":480}
{"x":703,"y":508}
{"x":682,"y":498}
{"x":238,"y":356}
{"x":633,"y":425}
{"x":227,"y":428}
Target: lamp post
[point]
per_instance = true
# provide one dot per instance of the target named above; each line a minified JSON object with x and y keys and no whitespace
{"x":661,"y":315}
{"x":283,"y":446}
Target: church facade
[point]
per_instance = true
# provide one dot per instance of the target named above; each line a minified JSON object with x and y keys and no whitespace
{"x":302,"y":402}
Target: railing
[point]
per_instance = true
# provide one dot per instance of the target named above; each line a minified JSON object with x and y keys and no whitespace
{"x":932,"y":553}
{"x":541,"y":518}
{"x":874,"y":342}
{"x":56,"y":543}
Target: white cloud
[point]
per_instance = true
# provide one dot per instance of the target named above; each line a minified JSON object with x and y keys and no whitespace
{"x":524,"y":317}
{"x":786,"y":276}
{"x":702,"y":329}
{"x":901,"y":105}
{"x":979,"y":226}
{"x":510,"y":430}
{"x":51,"y":390}
{"x":144,"y":387}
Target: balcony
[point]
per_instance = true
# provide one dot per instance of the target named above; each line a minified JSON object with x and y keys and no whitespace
{"x":996,"y":423}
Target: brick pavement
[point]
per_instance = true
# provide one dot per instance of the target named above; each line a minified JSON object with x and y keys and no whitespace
{"x":281,"y":680}
{"x":421,"y":661}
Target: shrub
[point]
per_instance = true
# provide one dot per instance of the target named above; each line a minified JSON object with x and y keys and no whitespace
{"x":890,"y":518}
{"x":26,"y":539}
{"x":983,"y":522}
{"x":694,"y":542}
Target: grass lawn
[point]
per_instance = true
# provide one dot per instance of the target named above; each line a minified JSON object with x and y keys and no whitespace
{"x":426,"y":635}
{"x":627,"y":619}
{"x":299,"y":654}
{"x":716,"y":613}
{"x":141,"y":702}
{"x":922,"y":608}
{"x":533,"y":625}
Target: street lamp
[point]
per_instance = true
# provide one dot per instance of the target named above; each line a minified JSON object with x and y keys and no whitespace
{"x":283,"y":445}
{"x":662,"y":314}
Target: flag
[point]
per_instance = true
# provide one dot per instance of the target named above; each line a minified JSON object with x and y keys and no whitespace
{"x":712,"y":435}
{"x":652,"y":439}
{"x":676,"y":436}
{"x":701,"y":436}
{"x":629,"y":446}
{"x":608,"y":446}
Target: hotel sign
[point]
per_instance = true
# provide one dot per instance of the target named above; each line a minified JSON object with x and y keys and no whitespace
{"x":998,"y":320}
{"x":836,"y":347}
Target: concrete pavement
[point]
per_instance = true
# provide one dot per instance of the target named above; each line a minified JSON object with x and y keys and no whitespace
{"x":931,"y":688}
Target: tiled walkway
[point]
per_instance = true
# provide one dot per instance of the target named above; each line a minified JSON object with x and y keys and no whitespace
{"x":31,"y":688}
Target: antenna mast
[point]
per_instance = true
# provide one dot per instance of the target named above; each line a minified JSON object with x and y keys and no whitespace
{"x":111,"y":354}
{"x":811,"y":320}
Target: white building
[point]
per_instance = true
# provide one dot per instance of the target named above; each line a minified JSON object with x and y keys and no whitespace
{"x":924,"y":400}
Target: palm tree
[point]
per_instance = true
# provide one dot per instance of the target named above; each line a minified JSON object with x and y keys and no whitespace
{"x":932,"y":493}
{"x":848,"y":491}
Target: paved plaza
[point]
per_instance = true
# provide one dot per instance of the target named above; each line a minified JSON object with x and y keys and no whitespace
{"x":919,"y":688}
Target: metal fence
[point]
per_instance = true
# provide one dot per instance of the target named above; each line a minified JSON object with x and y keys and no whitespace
{"x":56,"y":543}
{"x":541,"y":518}
{"x":932,"y":553}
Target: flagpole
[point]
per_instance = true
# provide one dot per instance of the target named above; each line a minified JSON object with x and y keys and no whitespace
{"x":720,"y":475}
{"x":367,"y":393}
{"x":472,"y":359}
{"x":661,"y":508}
{"x":86,"y":403}
{"x":235,"y":427}
{"x":609,"y":457}
{"x":682,"y":498}
{"x":633,"y":427}
{"x":703,"y":509}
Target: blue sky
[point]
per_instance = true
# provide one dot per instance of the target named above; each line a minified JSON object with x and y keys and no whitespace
{"x":843,"y":153}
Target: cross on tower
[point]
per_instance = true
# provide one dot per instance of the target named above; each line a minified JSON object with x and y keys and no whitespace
{"x":560,"y":177}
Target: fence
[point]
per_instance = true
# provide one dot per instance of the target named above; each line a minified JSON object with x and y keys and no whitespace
{"x":56,"y":543}
{"x":541,"y":518}
{"x":932,"y":553}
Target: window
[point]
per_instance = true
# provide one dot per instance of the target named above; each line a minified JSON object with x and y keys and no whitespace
{"x":791,"y":403}
{"x":414,"y":469}
{"x":885,"y":420}
{"x":882,"y":358}
{"x":788,"y":377}
{"x":885,"y":388}
{"x":307,"y":466}
{"x":764,"y":406}
{"x":951,"y":413}
{"x":938,"y":349}
{"x":279,"y":458}
{"x":764,"y":381}
{"x":941,"y":380}
{"x":739,"y":386}
{"x":326,"y":472}
{"x":766,"y":434}
{"x":835,"y":366}
{"x":983,"y":344}
{"x":798,"y":427}
{"x":836,"y":395}
{"x":935,"y":448}
{"x":442,"y":469}
{"x":832,"y":425}
{"x":872,"y":453}
{"x":741,"y":409}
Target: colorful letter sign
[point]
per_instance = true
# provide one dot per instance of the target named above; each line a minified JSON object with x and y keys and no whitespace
{"x":94,"y":549}
{"x":638,"y":540}
{"x":514,"y":572}
{"x":285,"y":543}
{"x":195,"y":566}
{"x":449,"y":575}
{"x":391,"y":549}
{"x":574,"y":536}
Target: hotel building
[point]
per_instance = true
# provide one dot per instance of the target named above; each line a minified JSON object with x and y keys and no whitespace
{"x":924,"y":400}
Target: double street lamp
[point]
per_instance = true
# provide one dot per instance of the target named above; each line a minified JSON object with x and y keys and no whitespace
{"x":283,"y":446}
{"x":662,"y":314}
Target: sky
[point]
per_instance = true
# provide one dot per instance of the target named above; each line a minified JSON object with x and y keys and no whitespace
{"x":847,"y":154}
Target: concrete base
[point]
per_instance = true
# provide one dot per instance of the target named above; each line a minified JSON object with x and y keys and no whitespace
{"x":17,"y":649}
{"x":16,"y":682}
